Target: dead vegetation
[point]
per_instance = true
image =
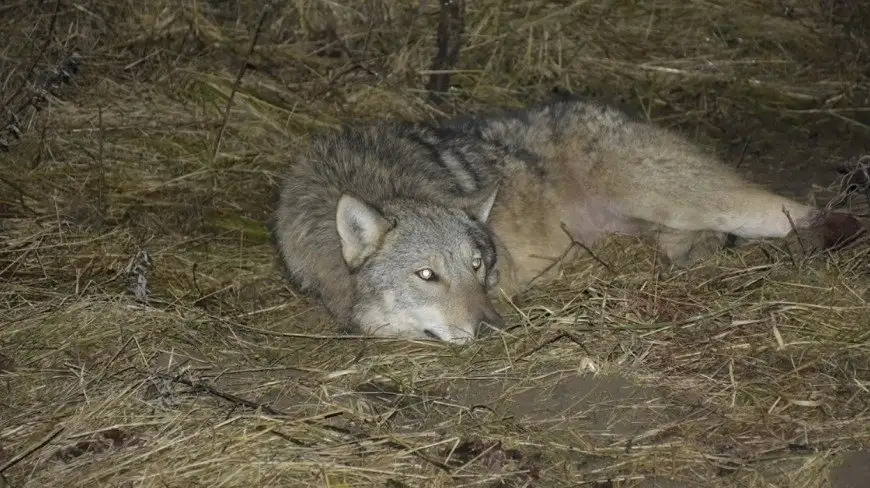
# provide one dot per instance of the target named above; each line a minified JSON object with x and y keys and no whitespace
{"x":146,"y":338}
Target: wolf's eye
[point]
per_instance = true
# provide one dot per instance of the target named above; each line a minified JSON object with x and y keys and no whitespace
{"x":476,"y":262}
{"x":426,"y":274}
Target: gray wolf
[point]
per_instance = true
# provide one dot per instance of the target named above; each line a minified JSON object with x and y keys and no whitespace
{"x":410,"y":229}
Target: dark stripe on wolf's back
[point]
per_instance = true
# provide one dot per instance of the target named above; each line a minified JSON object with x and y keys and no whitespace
{"x":429,"y":141}
{"x":512,"y":145}
{"x":445,"y":143}
{"x":457,"y":162}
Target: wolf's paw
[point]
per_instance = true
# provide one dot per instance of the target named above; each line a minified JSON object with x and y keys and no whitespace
{"x":828,"y":231}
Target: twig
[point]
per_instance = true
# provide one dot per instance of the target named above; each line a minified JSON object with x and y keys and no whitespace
{"x":241,"y":402}
{"x":555,"y":262}
{"x":743,"y":152}
{"x":101,"y":166}
{"x":852,"y":181}
{"x":27,"y":453}
{"x":586,"y":248}
{"x":797,"y":235}
{"x":21,"y":194}
{"x":450,"y":26}
{"x":42,"y":49}
{"x":238,"y":82}
{"x":562,"y":334}
{"x":229,"y":397}
{"x":560,"y":259}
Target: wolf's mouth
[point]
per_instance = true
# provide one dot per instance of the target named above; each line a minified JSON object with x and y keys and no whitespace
{"x":432,"y":335}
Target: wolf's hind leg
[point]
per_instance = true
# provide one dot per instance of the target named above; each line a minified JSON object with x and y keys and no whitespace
{"x":721,"y":202}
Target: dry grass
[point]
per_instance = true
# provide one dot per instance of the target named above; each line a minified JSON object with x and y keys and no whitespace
{"x":146,"y":338}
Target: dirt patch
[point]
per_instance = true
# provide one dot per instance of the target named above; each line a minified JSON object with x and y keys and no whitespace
{"x":607,"y":405}
{"x":853,"y":472}
{"x":606,"y":412}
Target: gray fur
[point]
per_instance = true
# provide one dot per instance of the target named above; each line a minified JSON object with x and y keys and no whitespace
{"x":499,"y":187}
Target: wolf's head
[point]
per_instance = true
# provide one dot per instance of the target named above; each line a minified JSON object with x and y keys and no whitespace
{"x":420,"y":270}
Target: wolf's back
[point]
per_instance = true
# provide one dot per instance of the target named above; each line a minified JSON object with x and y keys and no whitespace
{"x":536,"y":130}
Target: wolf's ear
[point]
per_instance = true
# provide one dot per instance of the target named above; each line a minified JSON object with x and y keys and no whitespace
{"x":482,"y":207}
{"x":360,"y":227}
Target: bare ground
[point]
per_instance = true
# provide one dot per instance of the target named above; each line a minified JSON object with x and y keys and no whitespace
{"x":146,"y":338}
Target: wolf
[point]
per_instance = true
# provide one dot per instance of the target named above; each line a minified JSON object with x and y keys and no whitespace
{"x":414,"y":229}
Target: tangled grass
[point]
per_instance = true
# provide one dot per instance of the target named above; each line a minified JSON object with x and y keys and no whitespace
{"x":147,"y":339}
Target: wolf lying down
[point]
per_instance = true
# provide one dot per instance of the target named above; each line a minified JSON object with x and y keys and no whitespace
{"x":410,"y":230}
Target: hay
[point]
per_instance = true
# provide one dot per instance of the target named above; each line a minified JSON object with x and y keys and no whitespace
{"x":148,"y":340}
